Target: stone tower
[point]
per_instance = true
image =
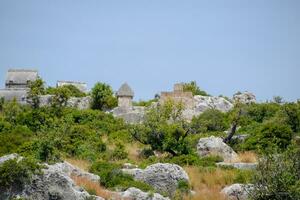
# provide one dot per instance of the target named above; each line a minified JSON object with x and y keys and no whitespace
{"x":125,"y":96}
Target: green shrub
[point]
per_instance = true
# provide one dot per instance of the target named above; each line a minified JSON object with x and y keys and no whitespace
{"x":119,"y":152}
{"x":269,"y":135}
{"x":209,"y":120}
{"x":102,"y":96}
{"x":112,"y":177}
{"x":194,"y":88}
{"x":146,"y":153}
{"x":15,"y":174}
{"x":278,"y":177}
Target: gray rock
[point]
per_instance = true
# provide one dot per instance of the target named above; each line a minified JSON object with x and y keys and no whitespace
{"x":247,"y":166}
{"x":9,"y":157}
{"x":215,"y":146}
{"x":129,"y":166}
{"x":203,"y":103}
{"x":163,"y":177}
{"x":53,"y":183}
{"x":136,"y":194}
{"x":240,"y":138}
{"x":237,"y":191}
{"x":245,"y":98}
{"x":80,"y":102}
{"x":133,"y":116}
{"x":70,"y":170}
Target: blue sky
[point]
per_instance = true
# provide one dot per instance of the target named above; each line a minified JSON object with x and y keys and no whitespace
{"x":225,"y":45}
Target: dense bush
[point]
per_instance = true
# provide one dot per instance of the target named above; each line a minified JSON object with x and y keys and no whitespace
{"x":270,"y":135}
{"x":194,"y":88}
{"x":112,"y":177}
{"x":209,"y":120}
{"x":164,"y":129}
{"x":102,"y":96}
{"x":278,"y":177}
{"x":15,"y":174}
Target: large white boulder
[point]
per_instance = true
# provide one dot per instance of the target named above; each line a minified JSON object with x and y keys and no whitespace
{"x":203,"y":103}
{"x":245,"y":98}
{"x":54,"y":183}
{"x":163,"y":177}
{"x":215,"y":146}
{"x":136,"y":194}
{"x":237,"y":191}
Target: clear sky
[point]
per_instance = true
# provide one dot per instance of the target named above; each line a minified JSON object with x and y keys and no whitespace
{"x":225,"y":45}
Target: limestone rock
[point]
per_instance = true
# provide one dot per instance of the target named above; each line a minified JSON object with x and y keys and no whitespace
{"x":205,"y":102}
{"x":215,"y":146}
{"x":80,"y":102}
{"x":134,"y":115}
{"x":9,"y":157}
{"x":237,"y":191}
{"x":248,"y":166}
{"x":163,"y":177}
{"x":245,"y":98}
{"x":70,"y":170}
{"x":53,"y":183}
{"x":136,"y":194}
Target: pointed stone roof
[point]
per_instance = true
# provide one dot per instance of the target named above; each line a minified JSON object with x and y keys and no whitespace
{"x":125,"y":91}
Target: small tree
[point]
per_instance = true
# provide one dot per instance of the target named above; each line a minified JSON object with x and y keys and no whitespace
{"x":278,"y":177}
{"x":61,"y":97}
{"x":37,"y":88}
{"x":102,"y":96}
{"x":194,"y":88}
{"x":209,"y":120}
{"x":164,"y":129}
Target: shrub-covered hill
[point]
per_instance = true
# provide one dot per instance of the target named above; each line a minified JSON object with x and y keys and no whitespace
{"x":96,"y":141}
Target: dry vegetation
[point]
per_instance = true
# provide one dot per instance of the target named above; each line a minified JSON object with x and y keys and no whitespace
{"x":247,"y":157}
{"x":80,"y":163}
{"x":207,"y":183}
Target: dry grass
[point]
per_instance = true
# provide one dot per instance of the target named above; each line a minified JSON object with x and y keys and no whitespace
{"x":94,"y":187}
{"x":207,"y":183}
{"x":247,"y":157}
{"x":133,"y":152}
{"x":82,"y":164}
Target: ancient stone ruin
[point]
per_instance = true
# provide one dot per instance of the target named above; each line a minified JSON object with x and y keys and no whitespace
{"x":178,"y":95}
{"x":125,"y":109}
{"x":16,"y":84}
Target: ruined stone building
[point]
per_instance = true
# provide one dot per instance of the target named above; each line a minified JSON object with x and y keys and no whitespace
{"x":80,"y":85}
{"x":178,"y":95}
{"x":125,"y":96}
{"x":16,"y":84}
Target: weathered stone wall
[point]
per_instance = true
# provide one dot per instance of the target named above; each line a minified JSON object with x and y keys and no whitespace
{"x":125,"y":102}
{"x":178,"y":97}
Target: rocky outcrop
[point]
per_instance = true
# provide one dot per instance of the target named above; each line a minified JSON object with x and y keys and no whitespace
{"x":70,"y":170}
{"x":215,"y":146}
{"x":9,"y":157}
{"x":75,"y":102}
{"x":80,"y":103}
{"x":247,"y":166}
{"x":136,"y":194}
{"x":163,"y":177}
{"x":54,"y":183}
{"x":245,"y":98}
{"x":237,"y":191}
{"x":133,"y":115}
{"x":203,"y":103}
